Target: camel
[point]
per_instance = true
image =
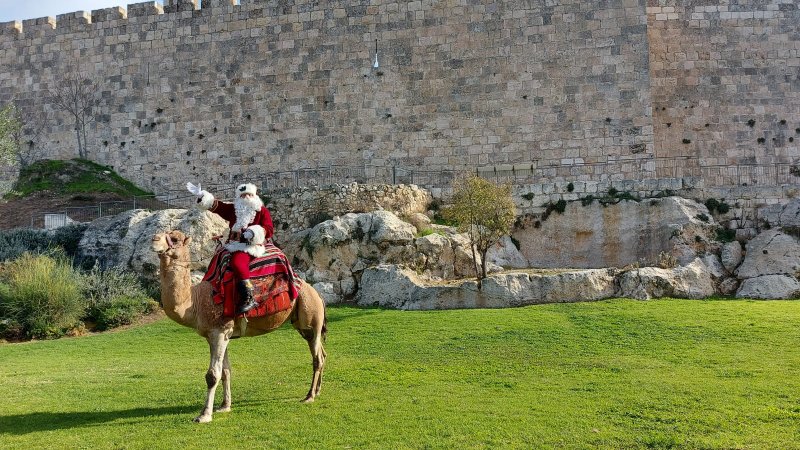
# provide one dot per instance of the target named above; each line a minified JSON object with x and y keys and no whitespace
{"x":193,"y":307}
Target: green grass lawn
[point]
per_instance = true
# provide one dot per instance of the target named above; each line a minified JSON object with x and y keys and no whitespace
{"x":612,"y":374}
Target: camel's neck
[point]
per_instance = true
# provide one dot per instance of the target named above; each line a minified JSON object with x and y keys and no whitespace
{"x":176,"y":291}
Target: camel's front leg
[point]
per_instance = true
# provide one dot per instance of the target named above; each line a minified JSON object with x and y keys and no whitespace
{"x":218,"y":343}
{"x":226,"y":384}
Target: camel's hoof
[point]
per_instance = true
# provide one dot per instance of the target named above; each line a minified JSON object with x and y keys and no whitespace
{"x":223,"y":409}
{"x":202,"y":419}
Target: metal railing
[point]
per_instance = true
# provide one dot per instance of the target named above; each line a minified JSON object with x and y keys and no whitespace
{"x":82,"y":214}
{"x":282,"y":182}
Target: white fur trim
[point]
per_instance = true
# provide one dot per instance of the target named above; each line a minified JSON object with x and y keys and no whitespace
{"x":247,"y":188}
{"x":252,"y":250}
{"x":259,"y":234}
{"x":206,"y":200}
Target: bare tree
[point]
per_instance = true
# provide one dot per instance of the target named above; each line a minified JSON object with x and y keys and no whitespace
{"x":35,"y":121}
{"x":75,"y":94}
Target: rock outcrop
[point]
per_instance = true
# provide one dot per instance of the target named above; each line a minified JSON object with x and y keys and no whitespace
{"x":337,"y":251}
{"x":770,"y":287}
{"x":770,"y":253}
{"x":598,"y":235}
{"x":124,"y":240}
{"x":396,"y":287}
{"x":691,"y":281}
{"x":771,"y":266}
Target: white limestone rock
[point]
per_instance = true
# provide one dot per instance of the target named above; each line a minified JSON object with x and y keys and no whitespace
{"x":395,"y":287}
{"x":327,"y":292}
{"x":770,"y":253}
{"x":504,"y":253}
{"x":728,"y":286}
{"x":124,"y":240}
{"x":770,"y":287}
{"x":691,"y":281}
{"x":731,"y":255}
{"x":615,"y":235}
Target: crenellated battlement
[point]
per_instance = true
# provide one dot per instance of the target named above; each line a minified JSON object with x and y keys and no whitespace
{"x":12,"y":29}
{"x":38,"y":27}
{"x":109,"y":14}
{"x":144,"y":9}
{"x":75,"y":21}
{"x":80,"y":21}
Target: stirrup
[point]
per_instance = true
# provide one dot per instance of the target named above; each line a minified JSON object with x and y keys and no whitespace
{"x":243,"y":309}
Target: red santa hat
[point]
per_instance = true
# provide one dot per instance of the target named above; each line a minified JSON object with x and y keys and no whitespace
{"x":247,"y":188}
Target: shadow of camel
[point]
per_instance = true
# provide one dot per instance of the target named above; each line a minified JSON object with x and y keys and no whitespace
{"x":49,"y":421}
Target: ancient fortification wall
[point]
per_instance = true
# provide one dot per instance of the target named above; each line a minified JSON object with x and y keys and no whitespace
{"x":576,"y":91}
{"x":725,"y":80}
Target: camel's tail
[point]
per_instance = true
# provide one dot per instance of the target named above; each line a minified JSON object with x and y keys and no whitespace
{"x":324,"y":324}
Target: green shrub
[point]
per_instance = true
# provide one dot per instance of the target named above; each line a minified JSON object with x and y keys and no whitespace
{"x":717,"y":205}
{"x":68,"y":237}
{"x":13,"y":243}
{"x":123,"y":310}
{"x":726,"y":234}
{"x":561,"y":206}
{"x":114,"y":297}
{"x":44,"y":296}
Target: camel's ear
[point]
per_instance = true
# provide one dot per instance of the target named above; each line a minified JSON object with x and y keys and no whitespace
{"x":187,"y":240}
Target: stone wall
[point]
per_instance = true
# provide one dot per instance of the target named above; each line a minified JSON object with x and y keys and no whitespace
{"x":210,"y":93}
{"x":570,"y":91}
{"x":725,"y":78}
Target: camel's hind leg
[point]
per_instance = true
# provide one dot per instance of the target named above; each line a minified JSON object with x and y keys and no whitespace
{"x":318,"y":355}
{"x":310,"y":320}
{"x":218,"y":344}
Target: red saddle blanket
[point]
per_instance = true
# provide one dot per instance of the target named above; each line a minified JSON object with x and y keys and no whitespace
{"x":275,"y":285}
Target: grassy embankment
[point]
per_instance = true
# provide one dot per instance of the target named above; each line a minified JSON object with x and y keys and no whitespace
{"x":73,"y":176}
{"x":612,"y":374}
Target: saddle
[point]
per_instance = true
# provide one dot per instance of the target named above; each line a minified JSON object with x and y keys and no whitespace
{"x":275,"y":285}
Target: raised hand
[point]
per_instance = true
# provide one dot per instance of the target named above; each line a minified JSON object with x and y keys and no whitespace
{"x":196,"y":190}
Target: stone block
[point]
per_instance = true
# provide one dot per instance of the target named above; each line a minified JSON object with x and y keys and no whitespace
{"x":74,"y":21}
{"x":172,"y":6}
{"x":39,"y":25}
{"x":12,"y":28}
{"x":144,"y":9}
{"x":216,"y":3}
{"x":108,"y":14}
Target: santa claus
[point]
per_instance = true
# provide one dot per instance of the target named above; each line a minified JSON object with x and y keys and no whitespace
{"x":251,"y":226}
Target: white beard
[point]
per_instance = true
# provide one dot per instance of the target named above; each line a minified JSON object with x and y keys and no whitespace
{"x":246,"y":209}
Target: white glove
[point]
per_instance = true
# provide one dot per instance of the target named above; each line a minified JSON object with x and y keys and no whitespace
{"x":248,"y":234}
{"x":196,"y":190}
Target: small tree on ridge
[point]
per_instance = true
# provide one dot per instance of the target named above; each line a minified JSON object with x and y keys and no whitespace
{"x":483,"y":210}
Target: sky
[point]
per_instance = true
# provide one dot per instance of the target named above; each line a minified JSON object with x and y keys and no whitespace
{"x":31,"y":9}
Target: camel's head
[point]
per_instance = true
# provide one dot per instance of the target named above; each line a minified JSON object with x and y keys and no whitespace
{"x":172,"y":244}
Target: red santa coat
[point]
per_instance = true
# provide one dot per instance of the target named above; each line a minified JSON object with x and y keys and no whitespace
{"x":228,"y":212}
